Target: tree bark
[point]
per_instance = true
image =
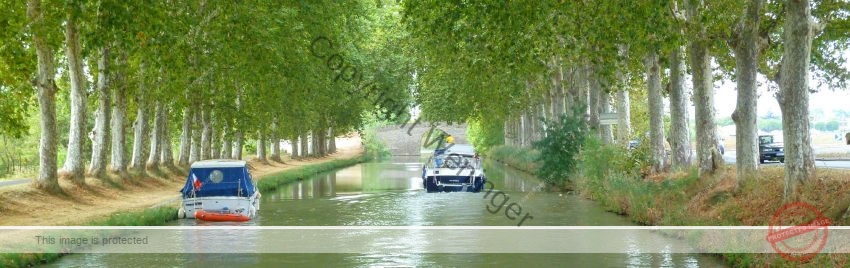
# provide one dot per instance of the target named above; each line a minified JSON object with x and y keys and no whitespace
{"x":331,"y":140}
{"x":226,"y":143}
{"x":237,"y":148}
{"x":745,"y":116}
{"x":680,"y":142}
{"x":624,"y":125}
{"x":261,"y":145}
{"x":656,"y":111}
{"x":595,"y":92}
{"x":703,"y":92}
{"x":275,"y":142}
{"x":46,"y":90}
{"x":305,"y":151}
{"x":605,"y":107}
{"x":74,"y":168}
{"x":215,"y":153}
{"x":97,"y":167}
{"x":294,"y":144}
{"x":195,"y":150}
{"x":166,"y":153}
{"x":140,"y":128}
{"x":156,"y":132}
{"x":119,"y":115}
{"x":185,"y":137}
{"x":205,"y":133}
{"x":793,"y":95}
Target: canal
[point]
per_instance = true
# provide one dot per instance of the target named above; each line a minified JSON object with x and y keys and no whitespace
{"x":390,"y":193}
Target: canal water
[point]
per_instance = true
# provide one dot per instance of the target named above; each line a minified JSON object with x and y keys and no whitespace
{"x":390,"y":193}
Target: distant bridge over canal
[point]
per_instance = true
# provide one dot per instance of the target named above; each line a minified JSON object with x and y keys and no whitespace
{"x":401,"y":143}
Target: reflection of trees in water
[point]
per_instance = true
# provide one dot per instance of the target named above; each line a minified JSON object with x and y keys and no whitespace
{"x":507,"y":179}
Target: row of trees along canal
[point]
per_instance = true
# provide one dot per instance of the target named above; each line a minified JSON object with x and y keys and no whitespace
{"x":512,"y":63}
{"x":201,"y":77}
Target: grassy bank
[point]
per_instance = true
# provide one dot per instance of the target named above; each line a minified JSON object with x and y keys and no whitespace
{"x":515,"y":157}
{"x":273,"y":181}
{"x":147,"y":217}
{"x":613,"y":177}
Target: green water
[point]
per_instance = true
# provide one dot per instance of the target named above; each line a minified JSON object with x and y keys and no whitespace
{"x":390,"y":194}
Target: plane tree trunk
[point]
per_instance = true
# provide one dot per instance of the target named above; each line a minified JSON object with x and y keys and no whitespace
{"x":680,"y":142}
{"x":119,"y":115}
{"x":97,"y":167}
{"x":656,"y":111}
{"x":793,"y":95}
{"x":74,"y":168}
{"x":746,"y":48}
{"x":46,"y":93}
{"x":700,"y":61}
{"x":140,"y":127}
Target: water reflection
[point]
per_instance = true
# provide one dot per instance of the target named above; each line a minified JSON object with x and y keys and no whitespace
{"x":391,"y":194}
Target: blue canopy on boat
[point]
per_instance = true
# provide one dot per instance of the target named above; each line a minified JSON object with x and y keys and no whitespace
{"x":218,"y":181}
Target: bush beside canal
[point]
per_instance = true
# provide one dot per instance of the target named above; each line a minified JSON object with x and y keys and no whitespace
{"x":147,"y":217}
{"x":616,"y":179}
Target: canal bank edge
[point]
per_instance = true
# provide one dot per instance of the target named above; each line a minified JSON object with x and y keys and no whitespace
{"x":167,"y":212}
{"x":684,"y":199}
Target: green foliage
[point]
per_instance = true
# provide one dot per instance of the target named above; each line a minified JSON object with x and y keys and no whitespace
{"x":485,"y":134}
{"x":724,"y":121}
{"x":561,"y":146}
{"x":375,"y":148}
{"x":827,"y":126}
{"x":768,"y":125}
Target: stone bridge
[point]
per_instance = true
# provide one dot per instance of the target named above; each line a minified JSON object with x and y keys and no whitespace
{"x":401,"y":143}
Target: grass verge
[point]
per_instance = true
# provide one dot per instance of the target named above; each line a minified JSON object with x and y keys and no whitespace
{"x":147,"y":217}
{"x":272,"y":181}
{"x":609,"y":176}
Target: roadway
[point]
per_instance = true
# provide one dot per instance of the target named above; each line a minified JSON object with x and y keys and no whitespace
{"x":729,"y":156}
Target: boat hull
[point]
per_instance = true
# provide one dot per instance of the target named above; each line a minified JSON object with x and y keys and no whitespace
{"x":244,"y":206}
{"x":214,"y":216}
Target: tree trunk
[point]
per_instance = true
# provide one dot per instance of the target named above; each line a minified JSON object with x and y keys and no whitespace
{"x":314,"y":143}
{"x":703,"y":92}
{"x":119,"y":114}
{"x":594,"y":100}
{"x":226,"y":143}
{"x":195,"y":150}
{"x":605,"y":107}
{"x":294,"y":144}
{"x":166,"y":152}
{"x":237,"y":148}
{"x":215,"y":153}
{"x":140,"y":127}
{"x":331,"y":140}
{"x":624,"y":121}
{"x":46,"y":90}
{"x":656,"y":111}
{"x":305,"y":151}
{"x":747,"y":52}
{"x":275,"y":141}
{"x":156,"y":132}
{"x":680,"y":142}
{"x":793,"y":95}
{"x":185,"y":137}
{"x":261,"y":145}
{"x":205,"y":133}
{"x":74,"y":168}
{"x":97,"y":167}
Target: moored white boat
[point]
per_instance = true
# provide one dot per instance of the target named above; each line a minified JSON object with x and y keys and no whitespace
{"x":221,"y":187}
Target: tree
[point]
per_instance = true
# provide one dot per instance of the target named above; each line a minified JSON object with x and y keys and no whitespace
{"x":747,"y":45}
{"x":700,"y":61}
{"x":46,"y":92}
{"x":74,"y":168}
{"x":793,"y":95}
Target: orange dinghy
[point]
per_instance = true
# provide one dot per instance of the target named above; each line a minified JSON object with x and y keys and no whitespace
{"x":214,"y":216}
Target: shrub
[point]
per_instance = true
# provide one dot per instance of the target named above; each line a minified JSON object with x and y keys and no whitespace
{"x":560,"y":146}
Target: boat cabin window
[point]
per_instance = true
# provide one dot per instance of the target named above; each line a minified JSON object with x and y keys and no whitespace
{"x":216,"y":176}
